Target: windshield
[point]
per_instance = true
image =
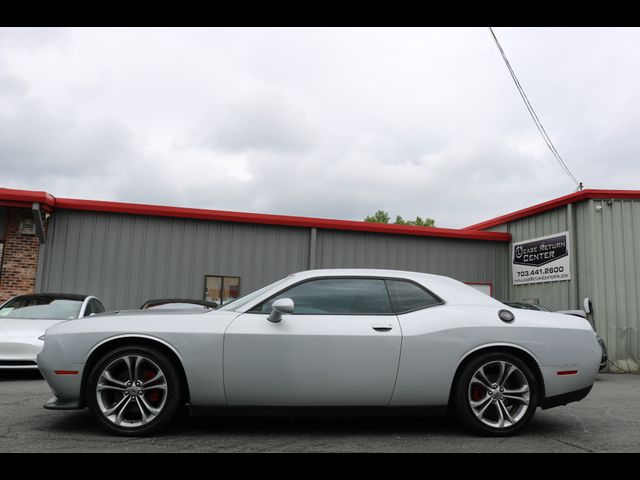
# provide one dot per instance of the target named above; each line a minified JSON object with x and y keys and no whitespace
{"x":240,"y":302}
{"x":41,"y":308}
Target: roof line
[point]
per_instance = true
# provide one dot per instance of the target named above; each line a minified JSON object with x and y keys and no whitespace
{"x":24,"y":198}
{"x":555,"y":203}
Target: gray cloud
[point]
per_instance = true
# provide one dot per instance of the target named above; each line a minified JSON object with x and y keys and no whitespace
{"x":11,"y":85}
{"x":31,"y":37}
{"x":318,"y":122}
{"x":36,"y":143}
{"x":264,"y":120}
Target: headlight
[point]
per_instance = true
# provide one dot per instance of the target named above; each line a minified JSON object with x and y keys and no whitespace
{"x":41,"y":337}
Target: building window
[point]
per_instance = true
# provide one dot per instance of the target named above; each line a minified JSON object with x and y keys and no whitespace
{"x":484,"y":287}
{"x":221,"y":289}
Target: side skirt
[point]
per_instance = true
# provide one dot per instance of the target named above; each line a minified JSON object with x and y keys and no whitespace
{"x":320,"y":411}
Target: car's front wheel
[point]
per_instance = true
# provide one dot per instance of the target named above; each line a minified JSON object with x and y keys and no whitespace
{"x":134,"y":391}
{"x":496,"y":394}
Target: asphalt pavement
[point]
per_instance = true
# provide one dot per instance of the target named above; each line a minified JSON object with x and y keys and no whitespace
{"x":608,"y":420}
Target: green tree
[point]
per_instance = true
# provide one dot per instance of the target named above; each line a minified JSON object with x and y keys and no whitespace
{"x":379,"y":217}
{"x":418,"y":222}
{"x":383,"y":217}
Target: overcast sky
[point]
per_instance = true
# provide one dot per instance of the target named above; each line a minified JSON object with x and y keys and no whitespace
{"x":332,"y":123}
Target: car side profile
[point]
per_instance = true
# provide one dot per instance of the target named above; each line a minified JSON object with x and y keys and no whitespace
{"x":25,"y":318}
{"x":359,"y":340}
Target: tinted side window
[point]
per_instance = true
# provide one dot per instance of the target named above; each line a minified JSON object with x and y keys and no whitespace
{"x":407,"y":296}
{"x":89,"y":309}
{"x":93,"y":306}
{"x":335,"y":296}
{"x":97,"y":307}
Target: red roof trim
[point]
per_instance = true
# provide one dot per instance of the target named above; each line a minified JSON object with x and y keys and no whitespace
{"x":26,"y":198}
{"x":555,"y":203}
{"x":226,"y":216}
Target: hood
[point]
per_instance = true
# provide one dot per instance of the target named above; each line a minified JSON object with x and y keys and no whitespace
{"x":151,"y":311}
{"x":24,"y":327}
{"x":141,"y":321}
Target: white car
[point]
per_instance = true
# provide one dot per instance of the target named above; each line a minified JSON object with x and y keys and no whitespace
{"x":364,"y":341}
{"x":24,"y":319}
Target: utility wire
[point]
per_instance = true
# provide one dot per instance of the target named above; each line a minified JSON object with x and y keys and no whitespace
{"x":533,"y":114}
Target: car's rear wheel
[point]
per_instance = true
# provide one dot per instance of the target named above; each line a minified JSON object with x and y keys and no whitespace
{"x":134,"y":391}
{"x":496,"y":394}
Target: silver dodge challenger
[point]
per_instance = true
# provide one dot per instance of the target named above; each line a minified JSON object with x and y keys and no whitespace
{"x":358,"y":341}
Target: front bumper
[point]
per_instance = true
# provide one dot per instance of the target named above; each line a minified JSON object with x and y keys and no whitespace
{"x":64,"y":378}
{"x":54,"y":403}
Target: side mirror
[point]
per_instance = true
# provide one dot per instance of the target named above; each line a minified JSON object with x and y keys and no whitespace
{"x":279,"y":307}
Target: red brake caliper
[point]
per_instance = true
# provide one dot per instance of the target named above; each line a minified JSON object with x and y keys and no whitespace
{"x":154,"y":395}
{"x":477,"y":393}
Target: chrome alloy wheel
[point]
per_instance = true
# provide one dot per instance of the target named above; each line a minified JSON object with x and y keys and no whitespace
{"x":131,"y":391}
{"x":499,"y":394}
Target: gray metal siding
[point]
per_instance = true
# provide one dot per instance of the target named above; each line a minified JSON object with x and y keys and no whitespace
{"x":606,"y":268}
{"x":127,"y":259}
{"x":554,"y":295}
{"x":615,"y":273}
{"x":465,"y":260}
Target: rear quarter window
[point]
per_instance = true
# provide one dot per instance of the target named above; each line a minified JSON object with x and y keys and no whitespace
{"x":408,"y":297}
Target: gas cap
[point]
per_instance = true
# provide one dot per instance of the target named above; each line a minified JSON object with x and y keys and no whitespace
{"x":506,"y":316}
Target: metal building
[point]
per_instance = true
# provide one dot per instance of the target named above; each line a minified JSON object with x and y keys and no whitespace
{"x":604,"y":234}
{"x":126,"y":253}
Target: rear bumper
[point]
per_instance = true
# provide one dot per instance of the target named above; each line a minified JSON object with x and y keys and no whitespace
{"x":565,"y":398}
{"x":604,"y":358}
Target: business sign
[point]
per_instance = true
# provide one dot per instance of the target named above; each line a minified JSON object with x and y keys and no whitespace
{"x":543,"y":259}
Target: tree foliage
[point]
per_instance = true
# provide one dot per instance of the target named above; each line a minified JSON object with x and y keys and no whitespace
{"x":418,"y":222}
{"x":378,"y":217}
{"x":383,"y":217}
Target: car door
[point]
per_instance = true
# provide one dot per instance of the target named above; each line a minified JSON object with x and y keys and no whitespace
{"x":339,"y":347}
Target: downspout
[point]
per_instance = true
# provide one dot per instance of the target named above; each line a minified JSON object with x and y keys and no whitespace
{"x":312,"y":248}
{"x":574,"y":299}
{"x":42,"y":237}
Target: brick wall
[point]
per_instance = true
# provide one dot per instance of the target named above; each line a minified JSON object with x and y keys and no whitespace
{"x":19,"y":257}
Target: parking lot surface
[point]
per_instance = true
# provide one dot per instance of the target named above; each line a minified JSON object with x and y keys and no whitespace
{"x":608,"y":420}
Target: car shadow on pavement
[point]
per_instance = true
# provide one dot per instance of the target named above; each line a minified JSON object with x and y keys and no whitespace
{"x":80,"y":422}
{"x":74,"y":422}
{"x":312,"y":425}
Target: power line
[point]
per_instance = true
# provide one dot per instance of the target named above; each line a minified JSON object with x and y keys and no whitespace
{"x":533,"y":114}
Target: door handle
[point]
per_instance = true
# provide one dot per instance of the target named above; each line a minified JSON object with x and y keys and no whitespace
{"x":383,"y":327}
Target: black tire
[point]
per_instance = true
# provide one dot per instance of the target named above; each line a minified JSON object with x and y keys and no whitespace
{"x":462,"y":393}
{"x":173,"y":397}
